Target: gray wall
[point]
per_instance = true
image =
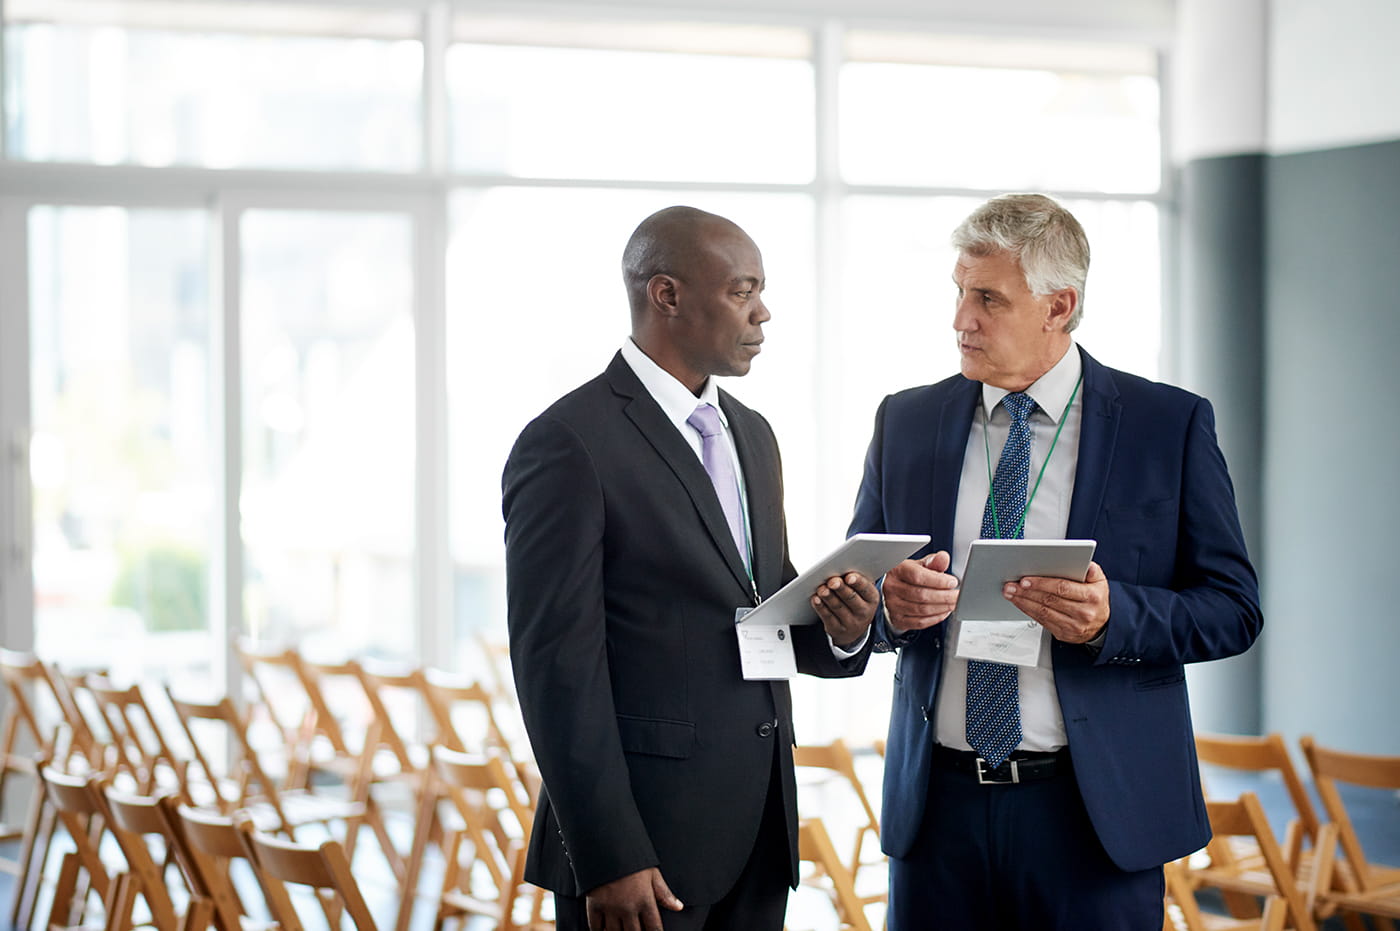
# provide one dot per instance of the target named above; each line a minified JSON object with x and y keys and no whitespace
{"x":1290,"y":322}
{"x":1220,"y":329}
{"x":1332,"y":446}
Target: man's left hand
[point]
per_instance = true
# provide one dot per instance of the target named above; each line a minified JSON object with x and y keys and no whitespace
{"x":1073,"y":612}
{"x":846,"y":605}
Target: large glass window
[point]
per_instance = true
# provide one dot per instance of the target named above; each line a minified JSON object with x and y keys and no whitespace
{"x":97,"y":82}
{"x":328,"y":430}
{"x":633,"y":108}
{"x":428,"y":219}
{"x":120,"y":449}
{"x":999,"y":115}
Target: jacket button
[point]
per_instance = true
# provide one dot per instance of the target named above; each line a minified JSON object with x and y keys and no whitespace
{"x":765,"y":729}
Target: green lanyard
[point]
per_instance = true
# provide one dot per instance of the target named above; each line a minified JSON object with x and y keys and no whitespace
{"x":991,"y":498}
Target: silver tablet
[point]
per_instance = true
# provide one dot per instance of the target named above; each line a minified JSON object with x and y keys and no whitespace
{"x":871,"y":554}
{"x":993,"y":563}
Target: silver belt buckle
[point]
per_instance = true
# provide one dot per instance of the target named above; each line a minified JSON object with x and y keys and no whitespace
{"x":983,"y":776}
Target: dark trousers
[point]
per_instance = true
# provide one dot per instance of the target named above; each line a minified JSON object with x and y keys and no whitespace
{"x":757,"y":902}
{"x":1015,"y":857}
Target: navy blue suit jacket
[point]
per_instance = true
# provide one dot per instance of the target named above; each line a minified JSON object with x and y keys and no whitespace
{"x":1152,"y":488}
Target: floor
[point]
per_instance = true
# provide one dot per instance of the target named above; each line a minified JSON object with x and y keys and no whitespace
{"x":1376,"y":814}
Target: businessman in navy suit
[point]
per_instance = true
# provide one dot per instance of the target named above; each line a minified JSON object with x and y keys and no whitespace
{"x":669,"y":796}
{"x":1086,"y":779}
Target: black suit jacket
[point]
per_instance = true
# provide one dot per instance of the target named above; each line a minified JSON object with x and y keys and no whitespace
{"x":622,"y":582}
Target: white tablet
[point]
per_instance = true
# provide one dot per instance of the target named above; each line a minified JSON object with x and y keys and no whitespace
{"x":993,"y":563}
{"x":871,"y":554}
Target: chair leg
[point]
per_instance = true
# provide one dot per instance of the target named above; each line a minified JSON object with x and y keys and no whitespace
{"x":34,"y":852}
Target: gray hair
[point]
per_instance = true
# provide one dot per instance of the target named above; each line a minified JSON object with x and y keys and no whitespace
{"x":1043,"y":236}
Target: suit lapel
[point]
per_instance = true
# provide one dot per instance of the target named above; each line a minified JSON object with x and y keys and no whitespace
{"x":658,"y":431}
{"x":954,"y":427}
{"x":762,"y":484}
{"x":1098,"y":435}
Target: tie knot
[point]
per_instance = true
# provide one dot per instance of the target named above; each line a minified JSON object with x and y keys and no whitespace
{"x":1018,"y":405}
{"x":705,"y":419}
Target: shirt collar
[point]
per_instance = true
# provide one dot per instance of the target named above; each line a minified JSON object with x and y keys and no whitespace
{"x":675,"y":399}
{"x":1051,"y":391}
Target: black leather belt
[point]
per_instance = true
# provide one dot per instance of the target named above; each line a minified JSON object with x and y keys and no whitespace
{"x":1021,"y":766}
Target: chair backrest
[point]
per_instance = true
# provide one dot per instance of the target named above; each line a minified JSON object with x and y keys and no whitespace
{"x":837,"y":758}
{"x":1263,"y":754}
{"x":33,"y":684}
{"x":138,"y":744}
{"x":397,"y":699}
{"x":133,"y":819}
{"x":77,"y":801}
{"x":1329,"y":767}
{"x":211,"y":842}
{"x":324,"y":868}
{"x":495,"y":817}
{"x":274,"y":679}
{"x":1245,"y":817}
{"x":814,"y":846}
{"x":468,"y":720}
{"x":210,"y":724}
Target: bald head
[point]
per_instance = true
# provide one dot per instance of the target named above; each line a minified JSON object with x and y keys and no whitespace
{"x":695,"y":285}
{"x":669,"y":242}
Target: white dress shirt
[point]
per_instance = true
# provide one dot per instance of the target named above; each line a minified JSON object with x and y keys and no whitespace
{"x":677,"y":403}
{"x":1042,"y":726}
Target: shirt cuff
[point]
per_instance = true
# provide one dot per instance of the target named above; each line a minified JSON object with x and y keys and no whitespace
{"x":840,"y":653}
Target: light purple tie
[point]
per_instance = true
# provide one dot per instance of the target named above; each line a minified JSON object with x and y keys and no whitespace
{"x":720,"y":466}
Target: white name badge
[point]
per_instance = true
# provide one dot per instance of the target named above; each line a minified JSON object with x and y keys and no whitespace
{"x":765,"y":651}
{"x":1015,"y":642}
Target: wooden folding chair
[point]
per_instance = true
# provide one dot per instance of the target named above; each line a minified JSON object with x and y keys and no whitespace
{"x":339,"y":698}
{"x":279,"y":716}
{"x":837,"y":758}
{"x":137,"y":744}
{"x":485,"y":849}
{"x":245,"y":784}
{"x":1264,"y":754}
{"x":1288,"y":903}
{"x":77,"y":801}
{"x":1357,"y":885}
{"x":1181,"y":912}
{"x":211,"y":844}
{"x":47,"y":708}
{"x":467,"y":720}
{"x":134,"y":820}
{"x":40,"y":727}
{"x":815,"y":847}
{"x":325,"y":869}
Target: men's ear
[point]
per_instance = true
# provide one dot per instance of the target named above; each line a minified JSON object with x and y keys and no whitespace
{"x":1062,"y":305}
{"x":662,"y":293}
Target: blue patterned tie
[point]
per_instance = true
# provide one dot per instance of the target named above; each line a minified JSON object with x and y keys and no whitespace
{"x":993,"y":722}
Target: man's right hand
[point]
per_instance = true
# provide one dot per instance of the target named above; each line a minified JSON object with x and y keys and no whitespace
{"x":920,"y":593}
{"x":630,"y":903}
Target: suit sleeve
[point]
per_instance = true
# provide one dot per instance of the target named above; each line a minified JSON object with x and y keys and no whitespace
{"x":869,"y":517}
{"x":1211,"y":608}
{"x":554,"y":512}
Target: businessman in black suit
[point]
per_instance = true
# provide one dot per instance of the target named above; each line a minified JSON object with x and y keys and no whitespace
{"x":668,"y":776}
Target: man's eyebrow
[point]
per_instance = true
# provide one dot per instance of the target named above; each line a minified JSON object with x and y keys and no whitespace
{"x":748,"y":280}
